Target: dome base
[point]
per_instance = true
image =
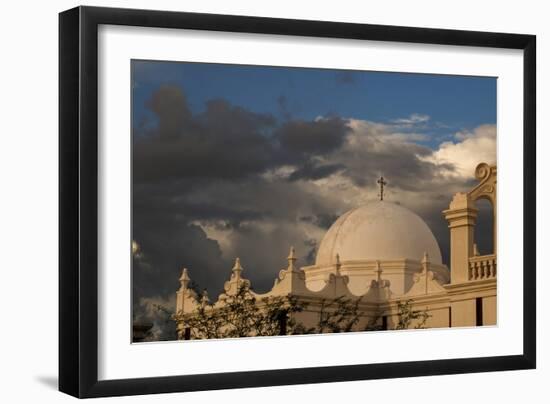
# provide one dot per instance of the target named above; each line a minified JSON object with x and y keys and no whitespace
{"x":400,"y":274}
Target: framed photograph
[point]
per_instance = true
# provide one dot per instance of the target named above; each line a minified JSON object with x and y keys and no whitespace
{"x":251,"y":201}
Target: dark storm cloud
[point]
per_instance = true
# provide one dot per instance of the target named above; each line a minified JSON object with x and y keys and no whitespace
{"x":169,"y":244}
{"x":224,"y":141}
{"x":405,"y":170}
{"x":313,"y":171}
{"x":163,"y":225}
{"x":305,"y":138}
{"x":325,"y":220}
{"x":322,"y":220}
{"x":155,"y":273}
{"x":261,"y":218}
{"x":206,"y":168}
{"x":231,"y":217}
{"x":170,"y":105}
{"x":371,"y":154}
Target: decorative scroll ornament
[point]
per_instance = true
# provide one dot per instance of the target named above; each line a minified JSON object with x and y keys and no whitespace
{"x":487,"y":188}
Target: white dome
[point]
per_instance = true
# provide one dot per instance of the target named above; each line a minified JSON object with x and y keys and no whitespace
{"x":378,"y":230}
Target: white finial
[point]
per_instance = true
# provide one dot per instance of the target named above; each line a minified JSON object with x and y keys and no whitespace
{"x":204,"y":298}
{"x":425,"y":269}
{"x":425,"y":265}
{"x":184,"y":279}
{"x":237,"y":268}
{"x":425,"y":258}
{"x":338,"y":263}
{"x":291,"y":259}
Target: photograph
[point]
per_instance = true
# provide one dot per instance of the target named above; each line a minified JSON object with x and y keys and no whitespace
{"x":277,"y":201}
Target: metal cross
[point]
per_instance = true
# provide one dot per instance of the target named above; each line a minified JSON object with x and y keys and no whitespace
{"x":378,"y":272}
{"x":381,"y":182}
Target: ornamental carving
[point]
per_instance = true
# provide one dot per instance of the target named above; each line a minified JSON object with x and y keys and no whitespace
{"x":487,"y":187}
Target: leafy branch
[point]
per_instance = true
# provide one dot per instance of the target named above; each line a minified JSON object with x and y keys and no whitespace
{"x":244,"y":315}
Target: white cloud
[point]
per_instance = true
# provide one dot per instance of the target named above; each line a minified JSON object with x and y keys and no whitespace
{"x":278,"y":173}
{"x":383,"y":132}
{"x":411,"y":137}
{"x":472,"y":148}
{"x":221,"y":233}
{"x":482,"y":131}
{"x":363,"y":133}
{"x":412,"y":119}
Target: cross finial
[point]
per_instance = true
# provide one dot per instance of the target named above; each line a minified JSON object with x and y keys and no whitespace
{"x":381,"y":182}
{"x":378,"y":272}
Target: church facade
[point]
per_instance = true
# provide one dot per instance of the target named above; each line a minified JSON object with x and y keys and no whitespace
{"x":381,"y":255}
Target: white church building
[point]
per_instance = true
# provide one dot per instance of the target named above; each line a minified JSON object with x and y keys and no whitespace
{"x":386,"y":254}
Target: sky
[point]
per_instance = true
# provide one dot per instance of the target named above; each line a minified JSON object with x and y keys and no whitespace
{"x":232,"y":160}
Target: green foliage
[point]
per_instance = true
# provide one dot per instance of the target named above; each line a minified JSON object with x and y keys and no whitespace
{"x":407,"y":316}
{"x":336,"y":315}
{"x":374,"y":323}
{"x":205,"y":323}
{"x":243,"y":315}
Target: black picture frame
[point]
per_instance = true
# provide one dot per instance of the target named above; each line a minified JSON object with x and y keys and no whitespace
{"x":78,"y":200}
